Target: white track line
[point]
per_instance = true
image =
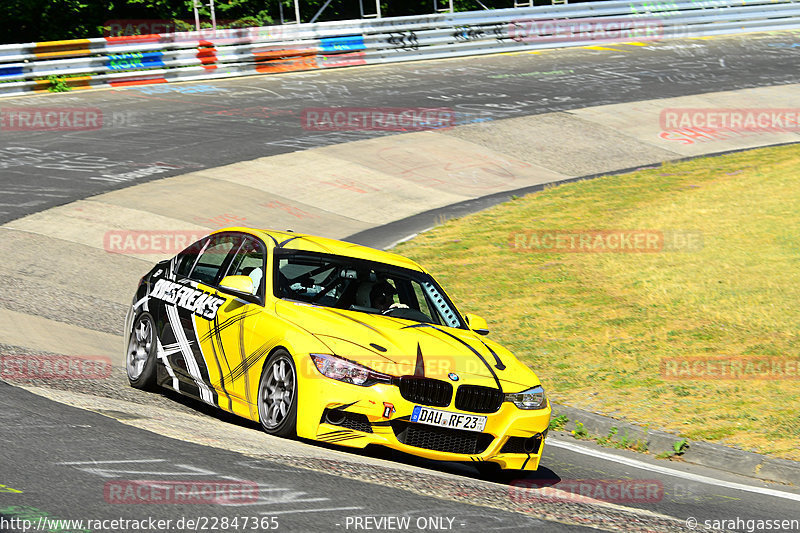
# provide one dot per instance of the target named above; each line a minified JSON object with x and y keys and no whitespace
{"x":313,"y":510}
{"x":406,"y":238}
{"x":669,"y":471}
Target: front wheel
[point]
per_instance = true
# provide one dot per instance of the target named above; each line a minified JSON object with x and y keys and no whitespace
{"x":277,"y":395}
{"x":140,"y":359}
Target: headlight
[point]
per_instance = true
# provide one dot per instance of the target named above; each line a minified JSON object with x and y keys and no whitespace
{"x":534,"y":398}
{"x":343,"y":370}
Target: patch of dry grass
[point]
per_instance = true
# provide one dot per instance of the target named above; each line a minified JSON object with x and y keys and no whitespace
{"x":596,"y":326}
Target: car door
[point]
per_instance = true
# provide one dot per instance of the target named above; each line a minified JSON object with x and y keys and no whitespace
{"x":232,"y":341}
{"x":189,"y":306}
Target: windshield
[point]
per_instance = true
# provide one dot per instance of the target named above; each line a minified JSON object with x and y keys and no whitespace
{"x":359,"y":285}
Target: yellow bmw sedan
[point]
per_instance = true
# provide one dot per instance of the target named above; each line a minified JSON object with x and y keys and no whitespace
{"x":334,"y":342}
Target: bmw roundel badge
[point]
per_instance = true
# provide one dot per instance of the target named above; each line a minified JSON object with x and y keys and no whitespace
{"x":453,"y":376}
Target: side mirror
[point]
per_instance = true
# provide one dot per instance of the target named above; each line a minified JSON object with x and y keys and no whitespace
{"x":476,"y":324}
{"x":239,"y":285}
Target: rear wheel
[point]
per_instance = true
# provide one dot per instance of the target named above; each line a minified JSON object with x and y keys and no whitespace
{"x":277,"y":395}
{"x":140,"y":360}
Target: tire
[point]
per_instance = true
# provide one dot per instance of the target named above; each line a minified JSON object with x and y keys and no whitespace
{"x":277,"y":395}
{"x":140,"y":358}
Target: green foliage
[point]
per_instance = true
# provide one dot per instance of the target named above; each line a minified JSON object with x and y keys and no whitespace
{"x":679,"y":447}
{"x":580,"y":431}
{"x":246,"y":22}
{"x":57,"y":84}
{"x":557,"y":423}
{"x":182,"y":25}
{"x":49,"y":20}
{"x":608,"y":440}
{"x":624,"y":441}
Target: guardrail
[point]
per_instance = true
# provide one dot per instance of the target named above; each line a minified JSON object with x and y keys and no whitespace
{"x":207,"y":54}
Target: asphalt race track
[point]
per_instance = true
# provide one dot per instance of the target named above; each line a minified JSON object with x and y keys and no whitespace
{"x":157,"y":131}
{"x":61,"y":462}
{"x":300,"y":500}
{"x":64,"y":459}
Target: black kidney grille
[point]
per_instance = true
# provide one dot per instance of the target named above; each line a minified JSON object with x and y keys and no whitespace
{"x":426,"y":391}
{"x":476,"y":399}
{"x":441,"y":439}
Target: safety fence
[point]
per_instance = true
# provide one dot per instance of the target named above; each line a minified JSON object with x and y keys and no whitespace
{"x":207,"y":54}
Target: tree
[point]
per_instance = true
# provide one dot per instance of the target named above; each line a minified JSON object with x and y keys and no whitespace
{"x":48,"y":20}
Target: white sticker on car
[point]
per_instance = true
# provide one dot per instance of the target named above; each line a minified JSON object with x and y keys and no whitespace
{"x":199,"y":302}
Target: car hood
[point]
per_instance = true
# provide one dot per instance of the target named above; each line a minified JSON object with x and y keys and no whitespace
{"x":401,"y":347}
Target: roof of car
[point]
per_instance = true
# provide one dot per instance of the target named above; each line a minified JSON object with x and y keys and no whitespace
{"x":310,"y":243}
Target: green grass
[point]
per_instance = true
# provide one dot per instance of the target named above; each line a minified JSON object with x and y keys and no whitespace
{"x":595,"y":326}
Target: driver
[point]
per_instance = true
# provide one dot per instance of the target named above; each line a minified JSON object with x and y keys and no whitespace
{"x":382,"y":295}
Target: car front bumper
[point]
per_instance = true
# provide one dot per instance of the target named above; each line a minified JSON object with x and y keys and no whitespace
{"x":379,"y":415}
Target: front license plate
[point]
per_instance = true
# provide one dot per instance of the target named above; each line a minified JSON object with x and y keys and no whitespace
{"x":447,"y":419}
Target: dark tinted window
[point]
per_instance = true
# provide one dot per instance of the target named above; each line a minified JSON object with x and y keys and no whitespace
{"x":208,"y":264}
{"x":365,"y":286}
{"x":188,"y":257}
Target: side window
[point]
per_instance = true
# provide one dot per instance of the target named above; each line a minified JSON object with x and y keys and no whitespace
{"x":422,"y":302}
{"x":187,"y":259}
{"x":249,"y":261}
{"x":437,"y":301}
{"x":212,"y":258}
